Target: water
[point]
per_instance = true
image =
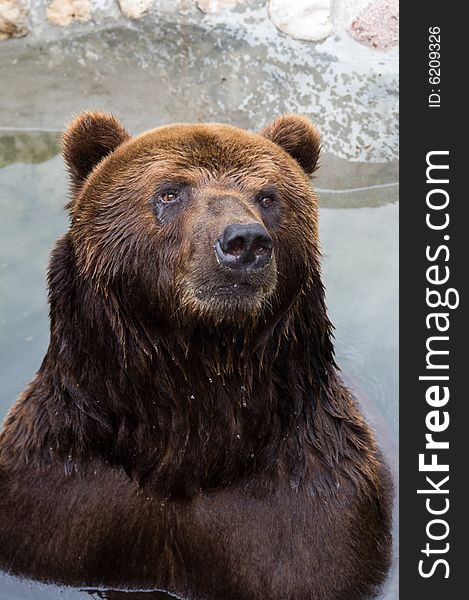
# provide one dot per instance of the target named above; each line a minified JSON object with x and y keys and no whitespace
{"x":360,"y":247}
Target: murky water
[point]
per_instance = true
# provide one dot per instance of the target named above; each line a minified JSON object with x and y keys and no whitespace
{"x":360,"y":246}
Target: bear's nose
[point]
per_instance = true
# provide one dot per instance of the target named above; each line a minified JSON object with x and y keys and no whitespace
{"x":244,"y":247}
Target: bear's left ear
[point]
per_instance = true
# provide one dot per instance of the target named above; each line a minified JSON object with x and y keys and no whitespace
{"x":297,"y":136}
{"x":88,"y":139}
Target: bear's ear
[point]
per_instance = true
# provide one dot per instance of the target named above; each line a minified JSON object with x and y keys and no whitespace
{"x":88,"y":139}
{"x":297,"y":136}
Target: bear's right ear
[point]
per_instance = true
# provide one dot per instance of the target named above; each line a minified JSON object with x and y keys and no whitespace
{"x":88,"y":139}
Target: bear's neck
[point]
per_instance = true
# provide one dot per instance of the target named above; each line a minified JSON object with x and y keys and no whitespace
{"x":187,"y":412}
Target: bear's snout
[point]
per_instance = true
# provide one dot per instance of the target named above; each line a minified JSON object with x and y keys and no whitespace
{"x":245,"y":247}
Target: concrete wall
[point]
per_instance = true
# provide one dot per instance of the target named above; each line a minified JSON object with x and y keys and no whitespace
{"x":236,"y":61}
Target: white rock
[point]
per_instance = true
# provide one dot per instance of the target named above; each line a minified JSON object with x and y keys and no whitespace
{"x":216,"y":6}
{"x":302,"y":19}
{"x":134,"y":9}
{"x":13,"y":14}
{"x":63,"y":12}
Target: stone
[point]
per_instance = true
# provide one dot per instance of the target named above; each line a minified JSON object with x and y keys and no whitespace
{"x":217,"y":6}
{"x":308,"y":20}
{"x":64,"y":12}
{"x":175,"y":7}
{"x":134,"y":9}
{"x":13,"y":15}
{"x":377,"y":25}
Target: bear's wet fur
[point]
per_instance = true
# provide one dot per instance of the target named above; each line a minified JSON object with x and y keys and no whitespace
{"x":187,"y":429}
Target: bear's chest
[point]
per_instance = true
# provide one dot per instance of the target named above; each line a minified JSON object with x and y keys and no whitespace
{"x":235,"y":544}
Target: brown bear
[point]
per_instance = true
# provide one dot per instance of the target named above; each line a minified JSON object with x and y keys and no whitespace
{"x":187,"y":430}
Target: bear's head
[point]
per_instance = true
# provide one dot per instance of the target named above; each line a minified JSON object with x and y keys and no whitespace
{"x":195,"y":222}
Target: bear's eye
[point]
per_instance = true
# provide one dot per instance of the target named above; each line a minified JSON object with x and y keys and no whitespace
{"x":266,"y":201}
{"x":168,"y":196}
{"x":170,"y":200}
